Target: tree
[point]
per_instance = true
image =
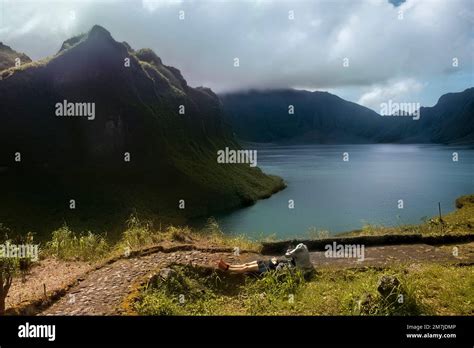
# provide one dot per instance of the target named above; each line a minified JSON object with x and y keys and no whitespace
{"x":8,"y":267}
{"x":11,"y":265}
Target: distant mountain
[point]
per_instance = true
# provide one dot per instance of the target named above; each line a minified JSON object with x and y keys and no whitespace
{"x":9,"y":57}
{"x":451,"y":119}
{"x":321,"y":117}
{"x":137,"y":102}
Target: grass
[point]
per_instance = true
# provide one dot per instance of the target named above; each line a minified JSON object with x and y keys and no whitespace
{"x":140,"y":233}
{"x":213,"y":234}
{"x":314,"y":233}
{"x":460,"y":221}
{"x":425,"y":289}
{"x":67,"y":245}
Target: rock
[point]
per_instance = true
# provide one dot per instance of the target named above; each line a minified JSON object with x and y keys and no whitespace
{"x":388,"y":285}
{"x":163,"y":275}
{"x":166,"y":273}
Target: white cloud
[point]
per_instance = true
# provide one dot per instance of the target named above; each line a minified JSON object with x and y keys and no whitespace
{"x":399,"y":91}
{"x":153,"y":5}
{"x":275,"y":52}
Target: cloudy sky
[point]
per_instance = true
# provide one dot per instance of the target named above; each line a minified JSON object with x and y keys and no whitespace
{"x":398,"y":50}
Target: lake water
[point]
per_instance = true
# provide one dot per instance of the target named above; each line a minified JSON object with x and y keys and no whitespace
{"x":335,"y":195}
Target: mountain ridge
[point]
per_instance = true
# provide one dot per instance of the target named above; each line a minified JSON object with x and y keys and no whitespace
{"x":322,"y":117}
{"x":8,"y":57}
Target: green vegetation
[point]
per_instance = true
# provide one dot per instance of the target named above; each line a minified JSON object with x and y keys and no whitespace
{"x":314,"y":233}
{"x":213,"y":235}
{"x":424,"y":289}
{"x":138,"y":234}
{"x":67,"y":245}
{"x":141,"y":234}
{"x":190,"y":290}
{"x":460,"y":221}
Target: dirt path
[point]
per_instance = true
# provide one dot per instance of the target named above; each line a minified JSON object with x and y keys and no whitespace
{"x":102,"y":291}
{"x":383,"y":256}
{"x":41,"y":278}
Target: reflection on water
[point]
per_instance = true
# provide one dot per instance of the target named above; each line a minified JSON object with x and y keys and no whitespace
{"x":330,"y":194}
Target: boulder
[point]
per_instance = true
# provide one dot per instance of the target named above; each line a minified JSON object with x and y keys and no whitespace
{"x":388,"y":285}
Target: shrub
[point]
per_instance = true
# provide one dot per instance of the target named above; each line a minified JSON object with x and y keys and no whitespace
{"x":66,"y":245}
{"x":179,"y":234}
{"x":138,"y":234}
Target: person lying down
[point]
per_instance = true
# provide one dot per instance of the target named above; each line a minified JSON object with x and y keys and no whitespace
{"x":294,"y":258}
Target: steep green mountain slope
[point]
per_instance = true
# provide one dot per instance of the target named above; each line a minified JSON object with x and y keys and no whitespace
{"x":451,"y":119}
{"x":137,"y":100}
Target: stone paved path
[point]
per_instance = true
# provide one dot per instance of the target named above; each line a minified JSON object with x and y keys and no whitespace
{"x":102,"y":291}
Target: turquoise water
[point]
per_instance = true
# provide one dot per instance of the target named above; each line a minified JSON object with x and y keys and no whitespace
{"x":334,"y":195}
